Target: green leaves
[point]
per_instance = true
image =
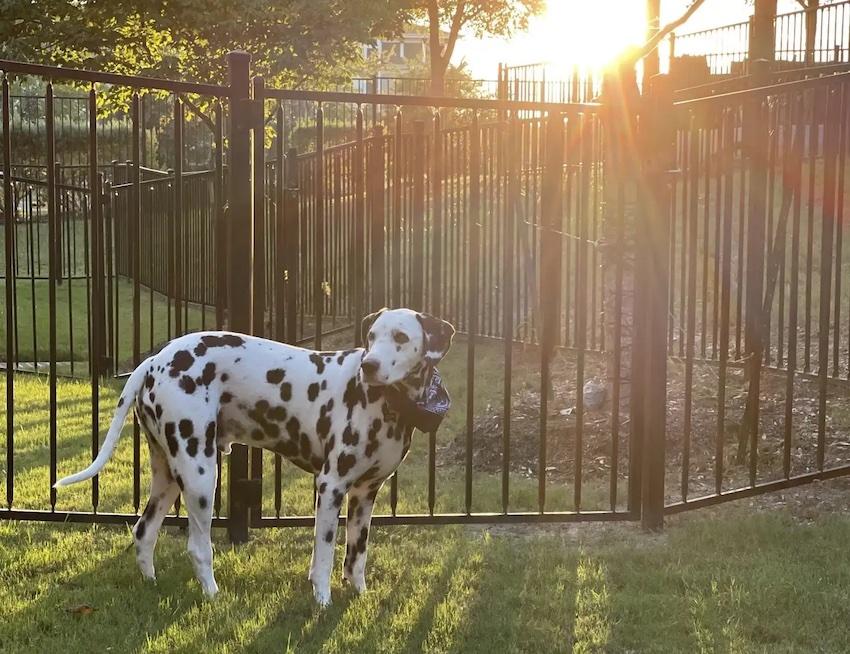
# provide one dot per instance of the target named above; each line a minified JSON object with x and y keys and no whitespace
{"x":292,"y":41}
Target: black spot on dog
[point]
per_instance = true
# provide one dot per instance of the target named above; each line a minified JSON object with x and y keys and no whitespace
{"x":287,"y":448}
{"x":277,"y":413}
{"x":319,"y":362}
{"x":330,"y":445}
{"x":169,"y":438}
{"x":275,"y":376}
{"x":158,"y":411}
{"x":312,"y":392}
{"x":361,"y":542}
{"x":226,"y":340}
{"x":322,"y":487}
{"x":226,"y":397}
{"x":120,"y":402}
{"x":200,"y":350}
{"x":374,"y":393}
{"x":286,"y":391}
{"x":187,"y":384}
{"x":344,"y":354}
{"x":353,"y":396}
{"x":316,"y":463}
{"x":185,"y":427}
{"x":150,"y":413}
{"x":208,"y":375}
{"x":202,"y":502}
{"x":181,"y":362}
{"x":304,"y":446}
{"x":350,"y":436}
{"x":152,"y":396}
{"x":149,"y":381}
{"x":209,"y":440}
{"x":192,"y":447}
{"x":338,"y":495}
{"x":140,"y":529}
{"x":179,"y":481}
{"x":327,"y":467}
{"x":324,"y":384}
{"x":258,"y":435}
{"x":293,"y":428}
{"x":329,"y":537}
{"x":201,"y":470}
{"x":224,"y":376}
{"x":344,"y":463}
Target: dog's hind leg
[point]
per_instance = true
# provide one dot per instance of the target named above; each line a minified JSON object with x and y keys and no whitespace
{"x":164,"y":492}
{"x":198,"y":484}
{"x":331,"y":492}
{"x":361,"y":500}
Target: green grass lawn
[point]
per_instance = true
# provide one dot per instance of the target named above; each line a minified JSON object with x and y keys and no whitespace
{"x":72,"y":320}
{"x":731,"y":580}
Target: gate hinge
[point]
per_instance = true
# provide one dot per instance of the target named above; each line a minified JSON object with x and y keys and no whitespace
{"x":249,"y":493}
{"x":249,"y":114}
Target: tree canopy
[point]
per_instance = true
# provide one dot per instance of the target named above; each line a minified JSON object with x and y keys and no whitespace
{"x":292,"y":41}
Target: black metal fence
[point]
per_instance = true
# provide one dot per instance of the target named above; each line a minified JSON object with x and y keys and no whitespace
{"x":757,"y":310}
{"x":806,"y":37}
{"x":551,"y":234}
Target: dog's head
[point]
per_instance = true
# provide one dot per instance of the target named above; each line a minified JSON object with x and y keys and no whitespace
{"x":402,"y":345}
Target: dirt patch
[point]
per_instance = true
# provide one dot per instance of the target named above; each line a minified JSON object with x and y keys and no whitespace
{"x":693,"y":427}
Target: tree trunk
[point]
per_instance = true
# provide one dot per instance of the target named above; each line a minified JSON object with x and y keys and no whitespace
{"x":438,"y":78}
{"x":811,"y":30}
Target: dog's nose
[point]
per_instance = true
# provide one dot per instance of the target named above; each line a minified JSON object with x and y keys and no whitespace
{"x":369,"y":368}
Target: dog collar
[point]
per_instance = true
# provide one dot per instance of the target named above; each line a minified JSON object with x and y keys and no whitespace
{"x":427,"y":413}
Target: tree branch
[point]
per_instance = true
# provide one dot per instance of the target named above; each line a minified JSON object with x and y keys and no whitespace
{"x":662,"y":34}
{"x":457,"y":23}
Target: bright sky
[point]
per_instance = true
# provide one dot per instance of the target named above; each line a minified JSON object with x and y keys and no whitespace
{"x":591,"y":32}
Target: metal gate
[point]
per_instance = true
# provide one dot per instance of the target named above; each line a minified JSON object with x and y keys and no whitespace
{"x":559,"y":238}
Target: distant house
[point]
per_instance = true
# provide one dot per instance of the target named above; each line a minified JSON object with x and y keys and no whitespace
{"x":405,"y":56}
{"x":398,"y":56}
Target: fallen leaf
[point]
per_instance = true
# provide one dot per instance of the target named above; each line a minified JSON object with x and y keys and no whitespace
{"x":82,"y":609}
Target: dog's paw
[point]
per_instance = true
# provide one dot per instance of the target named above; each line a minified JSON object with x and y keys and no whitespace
{"x":357,"y":582}
{"x":210,"y":589}
{"x":322,"y":595}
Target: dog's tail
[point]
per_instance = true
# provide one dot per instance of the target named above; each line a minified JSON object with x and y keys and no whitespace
{"x":128,"y":395}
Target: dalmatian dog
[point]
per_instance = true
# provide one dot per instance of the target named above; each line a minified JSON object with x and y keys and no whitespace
{"x":333,"y":414}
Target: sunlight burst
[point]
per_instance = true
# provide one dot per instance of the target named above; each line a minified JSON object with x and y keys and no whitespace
{"x":589,"y":34}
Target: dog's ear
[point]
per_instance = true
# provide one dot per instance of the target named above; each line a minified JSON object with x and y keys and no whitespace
{"x":438,"y":337}
{"x":366,"y":325}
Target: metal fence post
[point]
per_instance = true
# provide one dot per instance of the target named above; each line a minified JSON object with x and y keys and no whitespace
{"x":291,"y":239}
{"x":756,"y":141}
{"x":240,"y":252}
{"x":658,"y":157}
{"x":375,"y":190}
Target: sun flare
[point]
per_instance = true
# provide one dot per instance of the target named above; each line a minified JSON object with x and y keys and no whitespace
{"x":588,"y":34}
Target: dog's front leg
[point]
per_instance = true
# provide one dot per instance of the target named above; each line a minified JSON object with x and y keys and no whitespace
{"x":331,"y":492}
{"x":361,"y":499}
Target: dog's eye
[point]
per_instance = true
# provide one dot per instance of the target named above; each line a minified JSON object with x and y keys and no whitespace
{"x":401,"y":337}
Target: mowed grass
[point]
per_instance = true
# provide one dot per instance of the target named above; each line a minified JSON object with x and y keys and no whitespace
{"x":72,"y":320}
{"x":732,"y":580}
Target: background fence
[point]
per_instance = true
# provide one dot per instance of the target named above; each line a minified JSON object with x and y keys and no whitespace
{"x":568,"y":242}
